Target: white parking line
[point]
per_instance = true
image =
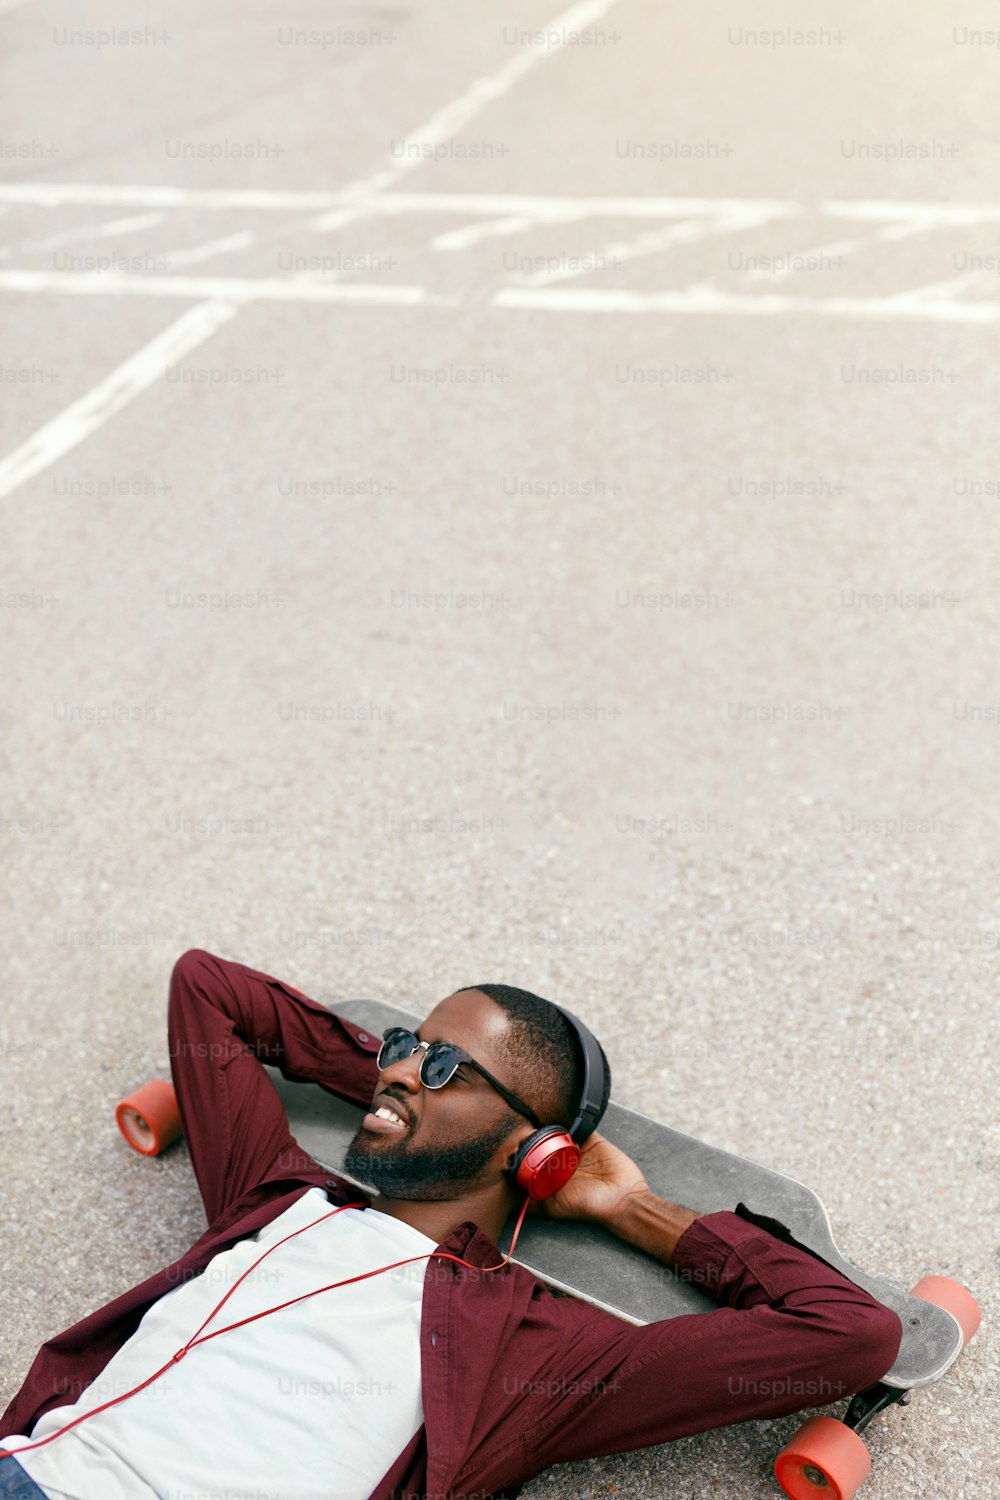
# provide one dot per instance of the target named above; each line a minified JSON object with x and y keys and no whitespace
{"x":238,"y":289}
{"x":933,"y":303}
{"x":419,"y":146}
{"x":82,"y":233}
{"x":543,"y":208}
{"x":56,"y":194}
{"x":961,"y":214}
{"x":701,"y":300}
{"x":138,"y":373}
{"x":80,"y":419}
{"x":661,"y":222}
{"x":474,"y":234}
{"x":936,"y":291}
{"x":686,"y":232}
{"x":538,"y":207}
{"x":241,"y":241}
{"x":839,"y":248}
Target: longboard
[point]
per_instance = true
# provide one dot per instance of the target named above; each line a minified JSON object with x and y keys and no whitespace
{"x":585,"y":1261}
{"x":827,"y":1458}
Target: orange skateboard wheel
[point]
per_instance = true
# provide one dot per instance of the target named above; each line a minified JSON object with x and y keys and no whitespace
{"x":954,"y":1298}
{"x":149,"y":1119}
{"x":825,"y":1460}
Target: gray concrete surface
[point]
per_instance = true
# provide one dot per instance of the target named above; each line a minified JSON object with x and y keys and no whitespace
{"x":755,"y":813}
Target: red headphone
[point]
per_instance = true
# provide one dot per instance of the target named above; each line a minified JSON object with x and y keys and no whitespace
{"x":548,"y":1158}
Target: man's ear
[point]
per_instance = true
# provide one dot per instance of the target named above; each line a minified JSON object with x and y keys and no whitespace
{"x":524,"y":1133}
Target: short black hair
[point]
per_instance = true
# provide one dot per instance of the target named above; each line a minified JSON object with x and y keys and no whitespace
{"x":546,"y":1064}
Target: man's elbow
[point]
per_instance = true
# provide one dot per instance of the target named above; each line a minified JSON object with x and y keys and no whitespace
{"x":190,"y":963}
{"x":887,"y":1340}
{"x":872,"y":1346}
{"x":191,"y":978}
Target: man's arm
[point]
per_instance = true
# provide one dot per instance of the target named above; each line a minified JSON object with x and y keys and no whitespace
{"x":790,"y":1333}
{"x":224,"y":1020}
{"x":652,"y":1225}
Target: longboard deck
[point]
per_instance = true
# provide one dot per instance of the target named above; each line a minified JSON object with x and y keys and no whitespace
{"x":585,"y":1261}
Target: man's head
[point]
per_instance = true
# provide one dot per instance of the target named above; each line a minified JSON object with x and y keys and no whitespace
{"x":461,"y":1139}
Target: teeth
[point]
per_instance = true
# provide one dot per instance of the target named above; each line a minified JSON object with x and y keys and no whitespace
{"x":383,"y":1113}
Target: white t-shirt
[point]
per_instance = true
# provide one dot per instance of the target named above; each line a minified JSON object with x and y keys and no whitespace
{"x":313,"y":1402}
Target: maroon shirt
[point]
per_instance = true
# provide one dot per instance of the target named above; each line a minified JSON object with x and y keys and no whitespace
{"x":514,"y":1377}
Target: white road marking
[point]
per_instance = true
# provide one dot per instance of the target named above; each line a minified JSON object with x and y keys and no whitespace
{"x":701,"y":300}
{"x":142,"y":369}
{"x":137,"y":374}
{"x":419,"y":146}
{"x":56,"y":194}
{"x":241,"y":241}
{"x":841,"y":247}
{"x":934,"y":291}
{"x":473,"y":234}
{"x":239,"y":289}
{"x":684,"y":233}
{"x":555,"y":208}
{"x":120,"y":226}
{"x":341,"y":217}
{"x":505,"y":215}
{"x":83,"y":233}
{"x":686,"y":219}
{"x":567,"y":211}
{"x":961,"y":214}
{"x":537,"y":207}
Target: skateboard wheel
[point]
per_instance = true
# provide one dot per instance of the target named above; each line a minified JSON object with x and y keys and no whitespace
{"x":149,"y":1119}
{"x":954,"y":1298}
{"x":823,"y":1461}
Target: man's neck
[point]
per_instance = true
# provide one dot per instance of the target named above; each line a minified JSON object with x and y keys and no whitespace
{"x":438,"y":1219}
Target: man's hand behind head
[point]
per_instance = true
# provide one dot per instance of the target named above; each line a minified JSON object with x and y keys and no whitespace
{"x":599,"y":1188}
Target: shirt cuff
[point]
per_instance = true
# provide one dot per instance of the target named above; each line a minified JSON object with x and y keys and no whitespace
{"x":701,"y":1252}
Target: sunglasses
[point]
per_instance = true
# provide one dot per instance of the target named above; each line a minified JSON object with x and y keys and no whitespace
{"x":440,"y":1063}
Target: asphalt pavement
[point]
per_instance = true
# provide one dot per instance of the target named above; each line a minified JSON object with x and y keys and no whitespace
{"x":500,"y":494}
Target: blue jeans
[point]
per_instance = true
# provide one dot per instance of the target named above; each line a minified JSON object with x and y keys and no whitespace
{"x":15,"y":1484}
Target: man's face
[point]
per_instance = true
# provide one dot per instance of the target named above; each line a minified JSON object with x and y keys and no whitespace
{"x":458,"y":1137}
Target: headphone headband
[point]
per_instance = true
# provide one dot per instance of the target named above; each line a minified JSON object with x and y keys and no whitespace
{"x":546,"y":1161}
{"x":588,"y":1112}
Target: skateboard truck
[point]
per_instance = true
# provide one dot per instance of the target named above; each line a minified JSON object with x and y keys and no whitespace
{"x":867,"y":1404}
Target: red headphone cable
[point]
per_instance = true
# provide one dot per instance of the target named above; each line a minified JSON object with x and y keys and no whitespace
{"x":441,"y":1254}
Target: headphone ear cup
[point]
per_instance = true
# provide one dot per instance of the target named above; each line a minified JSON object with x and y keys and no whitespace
{"x":544,"y":1163}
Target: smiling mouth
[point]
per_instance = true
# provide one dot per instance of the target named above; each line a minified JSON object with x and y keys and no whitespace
{"x":381,"y":1124}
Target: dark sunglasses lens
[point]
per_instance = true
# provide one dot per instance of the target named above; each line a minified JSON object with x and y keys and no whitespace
{"x":440,"y":1062}
{"x":396,"y":1045}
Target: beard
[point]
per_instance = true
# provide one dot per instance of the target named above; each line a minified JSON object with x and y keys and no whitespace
{"x":431,"y":1173}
